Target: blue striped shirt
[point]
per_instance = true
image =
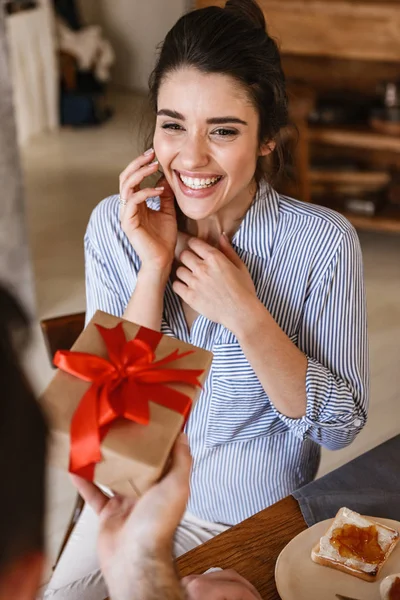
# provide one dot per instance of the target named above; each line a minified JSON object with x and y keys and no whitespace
{"x":306,"y":264}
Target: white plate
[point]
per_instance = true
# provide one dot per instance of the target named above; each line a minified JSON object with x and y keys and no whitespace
{"x":299,"y":578}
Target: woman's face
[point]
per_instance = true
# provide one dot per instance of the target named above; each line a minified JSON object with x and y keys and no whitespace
{"x":206,"y":141}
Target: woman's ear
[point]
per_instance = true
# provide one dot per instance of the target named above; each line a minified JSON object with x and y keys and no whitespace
{"x":267,"y":148}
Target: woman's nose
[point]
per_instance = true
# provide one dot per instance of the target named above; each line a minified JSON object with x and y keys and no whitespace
{"x":194,"y":153}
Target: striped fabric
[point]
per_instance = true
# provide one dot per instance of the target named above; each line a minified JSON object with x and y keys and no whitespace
{"x":306,"y":264}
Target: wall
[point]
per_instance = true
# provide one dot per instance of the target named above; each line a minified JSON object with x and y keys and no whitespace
{"x":134,"y":27}
{"x":88,"y":9}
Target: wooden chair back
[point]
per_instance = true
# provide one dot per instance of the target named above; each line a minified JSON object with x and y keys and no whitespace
{"x":60,"y":333}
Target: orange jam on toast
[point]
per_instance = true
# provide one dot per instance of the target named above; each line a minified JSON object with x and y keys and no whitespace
{"x":360,"y":543}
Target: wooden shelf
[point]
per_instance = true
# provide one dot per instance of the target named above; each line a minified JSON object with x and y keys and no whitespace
{"x":355,"y":138}
{"x":365,"y":179}
{"x":388,"y":224}
{"x":388,"y":220}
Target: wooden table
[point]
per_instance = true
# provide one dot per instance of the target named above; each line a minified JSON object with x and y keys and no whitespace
{"x":251,"y":548}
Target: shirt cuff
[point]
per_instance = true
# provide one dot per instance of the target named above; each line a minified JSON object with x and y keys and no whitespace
{"x":329,"y":404}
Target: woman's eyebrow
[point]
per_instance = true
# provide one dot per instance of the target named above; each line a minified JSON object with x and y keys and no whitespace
{"x":225,"y":120}
{"x":166,"y":112}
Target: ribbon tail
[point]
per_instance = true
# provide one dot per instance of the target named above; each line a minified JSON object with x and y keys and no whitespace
{"x":172,"y":399}
{"x":188,"y":376}
{"x":174,"y":356}
{"x":149,"y":337}
{"x":114,"y":340}
{"x":85,"y":437}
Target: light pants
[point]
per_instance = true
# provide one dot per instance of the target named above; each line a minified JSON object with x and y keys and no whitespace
{"x":78,"y":577}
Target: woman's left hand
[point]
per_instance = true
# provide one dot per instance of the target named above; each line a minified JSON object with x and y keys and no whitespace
{"x":214,"y":283}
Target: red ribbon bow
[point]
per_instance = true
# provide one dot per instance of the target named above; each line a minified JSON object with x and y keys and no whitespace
{"x":121,"y":387}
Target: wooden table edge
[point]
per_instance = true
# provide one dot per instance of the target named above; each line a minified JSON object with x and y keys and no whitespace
{"x":251,"y":547}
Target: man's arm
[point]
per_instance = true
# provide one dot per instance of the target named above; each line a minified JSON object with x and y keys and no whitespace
{"x":136,"y":536}
{"x":155,"y":578}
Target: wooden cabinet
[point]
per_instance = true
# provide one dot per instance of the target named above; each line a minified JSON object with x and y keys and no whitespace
{"x":339,"y":46}
{"x":364,"y":30}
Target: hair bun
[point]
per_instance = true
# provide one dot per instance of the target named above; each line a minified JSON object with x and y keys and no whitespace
{"x":248,"y":10}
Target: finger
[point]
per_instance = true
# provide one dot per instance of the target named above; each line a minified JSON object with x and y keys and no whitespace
{"x":132,"y":183}
{"x":143,"y":195}
{"x":167,"y":198}
{"x":130,"y":208}
{"x":190,"y":260}
{"x":174,"y":488}
{"x":199,"y":588}
{"x":186,"y":580}
{"x":201,"y":248}
{"x":182,"y":290}
{"x":167,"y":205}
{"x":184,"y":275}
{"x":230,"y":575}
{"x":164,"y":183}
{"x":181,"y":243}
{"x":90,"y":493}
{"x":118,"y":507}
{"x":138,"y":162}
{"x":228,"y":251}
{"x":181,"y":457}
{"x":181,"y":463}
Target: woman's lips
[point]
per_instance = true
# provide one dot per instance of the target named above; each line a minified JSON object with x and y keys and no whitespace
{"x":200,"y":192}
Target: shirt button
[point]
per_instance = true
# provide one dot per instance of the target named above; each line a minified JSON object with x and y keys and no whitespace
{"x":357,"y":423}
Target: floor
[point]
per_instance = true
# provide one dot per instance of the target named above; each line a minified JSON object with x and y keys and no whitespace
{"x":67,"y":174}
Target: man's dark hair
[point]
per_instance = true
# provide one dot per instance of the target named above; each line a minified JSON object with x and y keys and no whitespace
{"x":23,"y":432}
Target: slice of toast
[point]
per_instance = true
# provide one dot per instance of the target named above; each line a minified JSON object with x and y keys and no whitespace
{"x":329,"y":552}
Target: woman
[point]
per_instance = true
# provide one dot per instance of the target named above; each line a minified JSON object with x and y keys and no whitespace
{"x":214,"y":256}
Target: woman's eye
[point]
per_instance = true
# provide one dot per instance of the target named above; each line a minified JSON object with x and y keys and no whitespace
{"x":223,"y":132}
{"x":172,"y":126}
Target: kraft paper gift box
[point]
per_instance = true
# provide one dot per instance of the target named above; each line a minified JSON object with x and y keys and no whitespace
{"x":119,"y":425}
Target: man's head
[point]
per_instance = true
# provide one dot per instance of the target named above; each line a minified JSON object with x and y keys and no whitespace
{"x":22,"y":462}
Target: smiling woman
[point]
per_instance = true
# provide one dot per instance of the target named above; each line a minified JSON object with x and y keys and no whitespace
{"x":222,"y":133}
{"x":214,"y":256}
{"x":209,"y":147}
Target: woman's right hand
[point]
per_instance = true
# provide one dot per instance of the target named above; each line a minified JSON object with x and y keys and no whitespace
{"x":153,"y":234}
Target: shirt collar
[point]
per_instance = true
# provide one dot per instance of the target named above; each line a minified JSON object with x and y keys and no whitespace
{"x":257,"y":230}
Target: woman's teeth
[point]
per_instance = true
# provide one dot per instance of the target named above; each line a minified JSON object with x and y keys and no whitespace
{"x":198,"y":184}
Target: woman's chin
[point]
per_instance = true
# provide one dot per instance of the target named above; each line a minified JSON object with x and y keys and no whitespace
{"x":196,"y":209}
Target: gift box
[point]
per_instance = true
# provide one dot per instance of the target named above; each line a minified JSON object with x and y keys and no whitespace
{"x":119,"y":400}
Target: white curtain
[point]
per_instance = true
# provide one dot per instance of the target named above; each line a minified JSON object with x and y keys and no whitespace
{"x":34,"y":70}
{"x":15,"y":268}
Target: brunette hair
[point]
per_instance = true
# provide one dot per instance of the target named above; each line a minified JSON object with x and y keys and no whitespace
{"x":23,"y":433}
{"x":232,"y":41}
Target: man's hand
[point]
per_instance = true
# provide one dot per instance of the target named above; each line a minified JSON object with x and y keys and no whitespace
{"x":219,"y":585}
{"x":136,"y":536}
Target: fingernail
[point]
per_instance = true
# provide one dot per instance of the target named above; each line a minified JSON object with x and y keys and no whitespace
{"x":212,"y":570}
{"x":149,"y":151}
{"x":183,"y":439}
{"x":159,"y":189}
{"x":155,"y":162}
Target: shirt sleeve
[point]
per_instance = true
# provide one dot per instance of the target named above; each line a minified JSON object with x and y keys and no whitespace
{"x":101,"y":293}
{"x":333,"y":335}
